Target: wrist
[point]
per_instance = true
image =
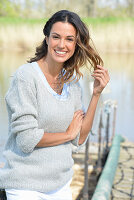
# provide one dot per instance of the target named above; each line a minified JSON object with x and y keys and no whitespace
{"x":69,"y":136}
{"x":96,"y":95}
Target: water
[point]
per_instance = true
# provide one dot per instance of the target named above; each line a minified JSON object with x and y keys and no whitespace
{"x":9,"y":62}
{"x":121,"y":87}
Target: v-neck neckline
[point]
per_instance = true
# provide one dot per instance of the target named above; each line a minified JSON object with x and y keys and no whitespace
{"x":64,"y":93}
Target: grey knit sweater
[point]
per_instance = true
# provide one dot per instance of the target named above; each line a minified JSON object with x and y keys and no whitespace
{"x":33,"y":110}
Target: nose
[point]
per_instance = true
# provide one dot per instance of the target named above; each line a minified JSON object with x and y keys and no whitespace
{"x":61,"y":43}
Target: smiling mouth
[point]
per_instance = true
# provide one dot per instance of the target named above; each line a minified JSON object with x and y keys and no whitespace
{"x":61,"y":52}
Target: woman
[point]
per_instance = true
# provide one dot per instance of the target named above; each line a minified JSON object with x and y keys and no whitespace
{"x":45,"y":112}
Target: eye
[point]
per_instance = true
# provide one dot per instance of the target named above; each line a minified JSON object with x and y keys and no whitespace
{"x":55,"y":37}
{"x":70,"y":39}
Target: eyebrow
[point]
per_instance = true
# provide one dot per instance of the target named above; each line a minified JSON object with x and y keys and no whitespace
{"x":54,"y":33}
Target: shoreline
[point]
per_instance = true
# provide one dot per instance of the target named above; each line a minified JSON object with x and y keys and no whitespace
{"x":107,"y":37}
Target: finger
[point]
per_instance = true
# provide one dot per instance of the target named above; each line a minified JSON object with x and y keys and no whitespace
{"x":104,"y":71}
{"x":99,"y":67}
{"x":101,"y":76}
{"x":77,"y":113}
{"x":98,"y":75}
{"x":102,"y":83}
{"x":106,"y":80}
{"x":80,"y":121}
{"x":80,"y":116}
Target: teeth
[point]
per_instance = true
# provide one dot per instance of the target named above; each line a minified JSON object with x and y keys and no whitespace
{"x":60,"y":52}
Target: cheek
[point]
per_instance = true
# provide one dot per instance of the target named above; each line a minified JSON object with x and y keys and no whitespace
{"x":72,"y":48}
{"x":52,"y":44}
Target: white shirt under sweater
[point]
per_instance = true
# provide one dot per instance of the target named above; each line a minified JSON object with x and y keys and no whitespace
{"x":33,"y":110}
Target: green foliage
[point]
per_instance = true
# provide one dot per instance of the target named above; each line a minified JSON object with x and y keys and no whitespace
{"x":7,"y":8}
{"x":84,"y":8}
{"x":20,"y":21}
{"x":88,"y":20}
{"x":106,"y":20}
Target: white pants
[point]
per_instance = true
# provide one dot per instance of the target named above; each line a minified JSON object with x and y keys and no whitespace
{"x":63,"y":194}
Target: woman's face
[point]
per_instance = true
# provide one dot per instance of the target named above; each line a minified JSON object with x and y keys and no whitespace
{"x":61,"y":42}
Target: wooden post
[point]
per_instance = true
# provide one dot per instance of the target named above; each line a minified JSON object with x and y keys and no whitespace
{"x":107,"y":131}
{"x":114,"y":120}
{"x":99,"y":163}
{"x":85,"y":189}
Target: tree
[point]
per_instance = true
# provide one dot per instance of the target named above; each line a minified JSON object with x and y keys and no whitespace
{"x":9,"y":8}
{"x":91,"y":8}
{"x":130,"y":4}
{"x":6,"y":8}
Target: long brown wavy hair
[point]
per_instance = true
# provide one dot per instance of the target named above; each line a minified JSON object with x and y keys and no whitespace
{"x":83,"y":51}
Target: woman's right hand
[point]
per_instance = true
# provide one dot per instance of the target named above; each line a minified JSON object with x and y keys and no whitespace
{"x":75,"y":126}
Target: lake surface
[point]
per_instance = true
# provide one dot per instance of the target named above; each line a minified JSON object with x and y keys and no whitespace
{"x":121,"y":89}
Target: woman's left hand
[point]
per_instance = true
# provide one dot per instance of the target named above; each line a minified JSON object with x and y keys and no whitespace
{"x":101,"y":77}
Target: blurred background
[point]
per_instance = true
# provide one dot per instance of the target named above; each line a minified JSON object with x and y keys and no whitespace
{"x":111,"y":26}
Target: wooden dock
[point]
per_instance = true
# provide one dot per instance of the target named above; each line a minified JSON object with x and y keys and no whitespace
{"x":78,"y":177}
{"x":123,"y":188}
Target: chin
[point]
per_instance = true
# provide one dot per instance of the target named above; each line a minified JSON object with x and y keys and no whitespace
{"x":61,"y":60}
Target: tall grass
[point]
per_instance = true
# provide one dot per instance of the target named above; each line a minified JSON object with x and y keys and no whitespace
{"x":21,"y":37}
{"x":114,"y":37}
{"x":108,"y":34}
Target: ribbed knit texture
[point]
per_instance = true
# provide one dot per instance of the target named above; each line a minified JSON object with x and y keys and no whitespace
{"x":33,"y":110}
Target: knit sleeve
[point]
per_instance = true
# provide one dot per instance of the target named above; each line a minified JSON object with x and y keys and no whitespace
{"x":22,"y":109}
{"x":78,"y":106}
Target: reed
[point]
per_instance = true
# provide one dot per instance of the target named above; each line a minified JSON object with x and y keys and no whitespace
{"x":20,"y":38}
{"x":107,"y":36}
{"x":114,"y":37}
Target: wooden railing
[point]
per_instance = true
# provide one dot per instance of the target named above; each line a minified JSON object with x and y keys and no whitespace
{"x":106,"y":125}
